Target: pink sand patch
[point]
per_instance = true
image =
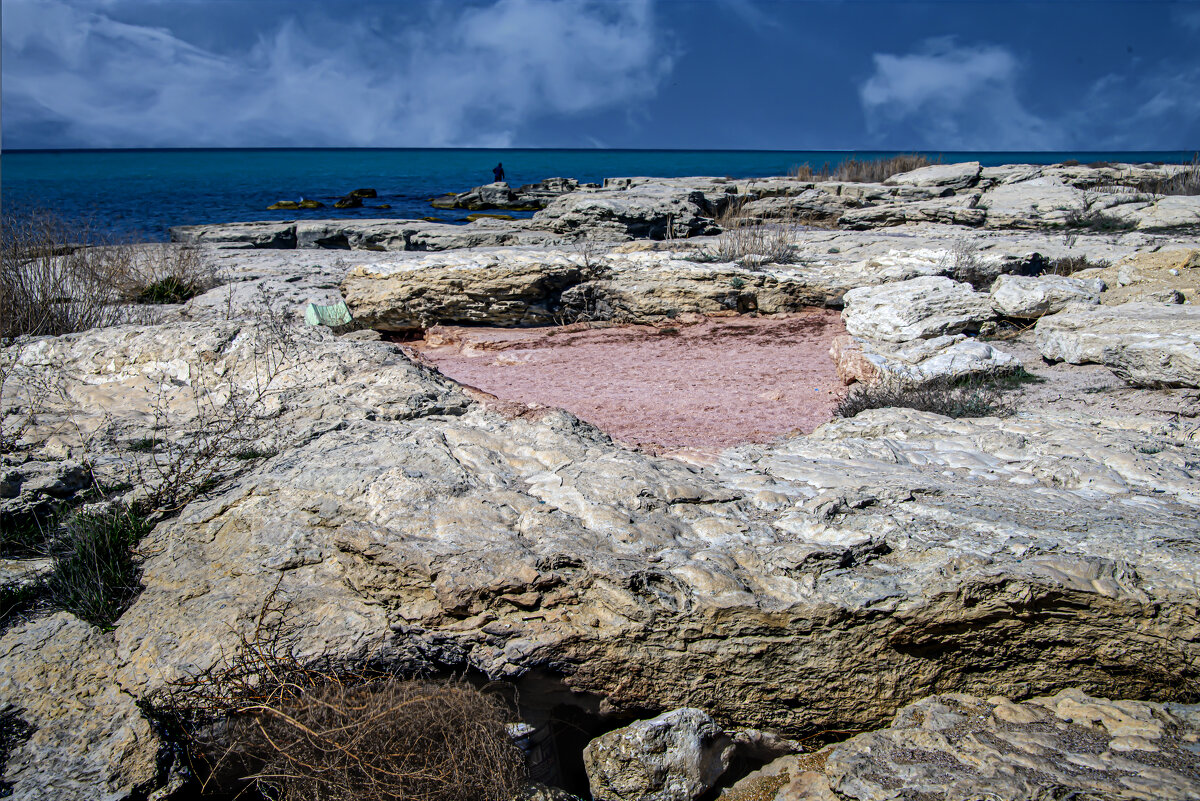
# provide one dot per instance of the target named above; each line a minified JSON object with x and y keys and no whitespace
{"x":701,"y":383}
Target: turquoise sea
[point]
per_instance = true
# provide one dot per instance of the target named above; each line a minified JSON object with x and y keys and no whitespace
{"x":141,"y":193}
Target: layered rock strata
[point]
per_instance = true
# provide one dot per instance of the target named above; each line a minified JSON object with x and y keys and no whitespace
{"x":1147,"y":344}
{"x":957,"y":746}
{"x":819,"y":583}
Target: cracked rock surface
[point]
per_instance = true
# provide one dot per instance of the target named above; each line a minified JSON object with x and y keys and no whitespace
{"x":959,"y":747}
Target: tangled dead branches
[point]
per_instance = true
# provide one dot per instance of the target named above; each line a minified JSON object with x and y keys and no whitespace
{"x":302,"y":731}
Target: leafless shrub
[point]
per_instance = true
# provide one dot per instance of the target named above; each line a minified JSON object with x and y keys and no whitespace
{"x":53,"y":280}
{"x":864,"y":170}
{"x":166,"y":273}
{"x":752,"y":242}
{"x":307,"y":731}
{"x":591,"y":250}
{"x":963,"y":262}
{"x":1068,"y":265}
{"x":973,"y":397}
{"x":58,"y":277}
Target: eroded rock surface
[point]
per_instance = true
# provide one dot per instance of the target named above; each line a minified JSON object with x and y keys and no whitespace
{"x":89,"y":740}
{"x":941,"y":358}
{"x":677,"y":756}
{"x":1146,"y":344}
{"x":960,"y":747}
{"x":919,"y":308}
{"x":1034,"y":296}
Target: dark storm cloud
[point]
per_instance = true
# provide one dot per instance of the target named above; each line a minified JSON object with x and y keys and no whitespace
{"x":902,"y":74}
{"x":75,"y":74}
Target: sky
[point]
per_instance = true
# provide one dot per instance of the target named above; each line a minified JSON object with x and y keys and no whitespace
{"x":938,"y":75}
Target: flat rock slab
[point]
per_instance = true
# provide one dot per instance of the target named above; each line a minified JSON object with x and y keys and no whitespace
{"x":1029,"y":296}
{"x":1146,"y":344}
{"x":919,"y":308}
{"x":957,"y":746}
{"x":707,"y":384}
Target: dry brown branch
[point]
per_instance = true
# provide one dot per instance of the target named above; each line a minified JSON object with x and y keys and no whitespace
{"x":59,"y":277}
{"x":300,"y":730}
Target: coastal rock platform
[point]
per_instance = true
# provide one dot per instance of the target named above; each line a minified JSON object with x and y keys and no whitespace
{"x":895,"y":568}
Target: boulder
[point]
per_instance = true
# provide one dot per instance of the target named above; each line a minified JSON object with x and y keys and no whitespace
{"x":242,"y":235}
{"x":958,"y":746}
{"x":502,"y":288}
{"x":1152,"y":212}
{"x":653,"y":210}
{"x":1035,"y":203}
{"x":639,"y":286}
{"x":348,"y":202}
{"x":1147,"y":344}
{"x":360,"y":193}
{"x":88,"y":739}
{"x":1028,"y":296}
{"x":677,"y":756}
{"x":919,"y":308}
{"x":941,"y":358}
{"x":949,"y":176}
{"x":284,"y":205}
{"x":960,"y":210}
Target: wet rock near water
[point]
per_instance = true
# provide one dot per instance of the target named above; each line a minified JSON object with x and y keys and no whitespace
{"x":528,"y":197}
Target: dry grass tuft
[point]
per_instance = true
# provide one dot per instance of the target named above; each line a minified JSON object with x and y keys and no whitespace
{"x":864,"y":171}
{"x":752,"y":242}
{"x":265,"y":719}
{"x":1068,"y":265}
{"x":1183,"y":182}
{"x":58,"y":277}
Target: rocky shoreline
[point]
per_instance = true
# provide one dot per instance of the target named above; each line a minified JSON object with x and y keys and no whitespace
{"x":1001,"y":604}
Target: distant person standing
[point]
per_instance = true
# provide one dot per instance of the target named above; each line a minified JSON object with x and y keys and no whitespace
{"x":498,"y":171}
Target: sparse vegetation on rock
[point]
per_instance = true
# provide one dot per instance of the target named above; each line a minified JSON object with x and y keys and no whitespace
{"x":265,"y":718}
{"x":970,"y":397}
{"x":864,"y":170}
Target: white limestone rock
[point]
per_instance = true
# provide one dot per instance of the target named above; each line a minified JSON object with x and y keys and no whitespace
{"x":1033,"y":296}
{"x":919,"y":308}
{"x":89,"y":740}
{"x":1147,"y":344}
{"x":1069,"y":745}
{"x":677,"y":756}
{"x":941,"y":358}
{"x":950,"y":176}
{"x":1035,"y":203}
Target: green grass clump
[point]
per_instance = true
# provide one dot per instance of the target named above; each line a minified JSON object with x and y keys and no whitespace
{"x":95,"y":575}
{"x":171,"y":289}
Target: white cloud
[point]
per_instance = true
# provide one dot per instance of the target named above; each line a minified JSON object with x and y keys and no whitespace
{"x":949,"y":96}
{"x":454,"y":75}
